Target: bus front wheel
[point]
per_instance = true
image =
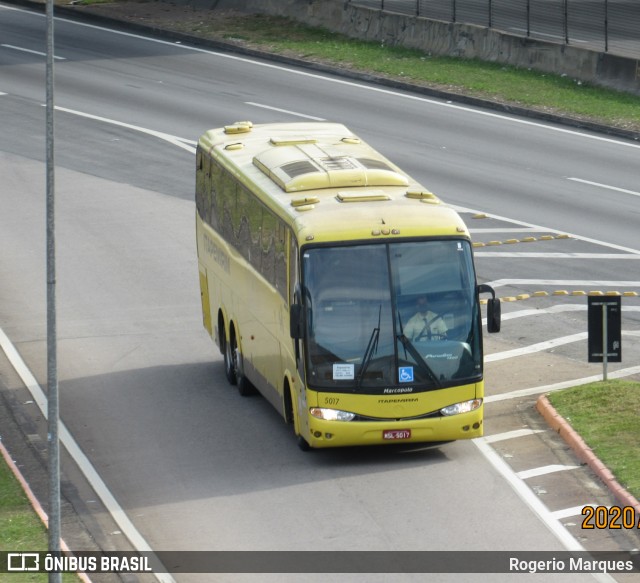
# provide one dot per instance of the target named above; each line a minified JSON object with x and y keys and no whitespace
{"x":303,"y":444}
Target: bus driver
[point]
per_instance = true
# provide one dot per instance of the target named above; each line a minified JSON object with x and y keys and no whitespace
{"x":425,"y":324}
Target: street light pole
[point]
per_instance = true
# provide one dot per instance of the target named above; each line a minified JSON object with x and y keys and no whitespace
{"x":52,"y":364}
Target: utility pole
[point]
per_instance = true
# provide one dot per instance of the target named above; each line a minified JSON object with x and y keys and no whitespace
{"x":52,"y":364}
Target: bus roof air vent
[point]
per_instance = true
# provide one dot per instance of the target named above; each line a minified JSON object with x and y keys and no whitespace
{"x":293,"y":169}
{"x":310,"y":166}
{"x":371,"y":164}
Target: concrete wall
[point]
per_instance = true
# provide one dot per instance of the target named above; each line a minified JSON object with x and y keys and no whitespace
{"x":460,"y":40}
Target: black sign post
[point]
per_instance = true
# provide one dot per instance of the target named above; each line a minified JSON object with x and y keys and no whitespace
{"x":605,"y":330}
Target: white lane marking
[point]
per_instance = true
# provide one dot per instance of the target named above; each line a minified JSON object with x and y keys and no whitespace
{"x":354,"y":84}
{"x":23,"y":50}
{"x":573,"y":511}
{"x":101,"y":489}
{"x":534,"y":503}
{"x":287,"y":111}
{"x":527,"y":255}
{"x":564,"y":282}
{"x":462,"y":209}
{"x":504,"y":230}
{"x":618,"y":374}
{"x":175,"y":140}
{"x":550,"y":310}
{"x":539,"y":347}
{"x":564,"y":308}
{"x":633,"y":192}
{"x":511,"y":434}
{"x":544,"y":470}
{"x":529,"y":497}
{"x":546,"y":345}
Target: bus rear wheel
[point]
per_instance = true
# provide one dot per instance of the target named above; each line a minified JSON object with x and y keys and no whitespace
{"x":229,"y":361}
{"x":245,"y":388}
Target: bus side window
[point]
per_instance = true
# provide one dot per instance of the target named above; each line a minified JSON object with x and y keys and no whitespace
{"x":269,"y":232}
{"x":227,"y":207}
{"x":202,"y":191}
{"x":293,"y":268}
{"x":214,"y":178}
{"x":281,"y":258}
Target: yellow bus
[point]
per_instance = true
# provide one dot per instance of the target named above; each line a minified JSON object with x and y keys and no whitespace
{"x":338,"y":287}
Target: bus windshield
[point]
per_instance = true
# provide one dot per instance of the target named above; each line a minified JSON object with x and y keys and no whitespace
{"x":391,"y":317}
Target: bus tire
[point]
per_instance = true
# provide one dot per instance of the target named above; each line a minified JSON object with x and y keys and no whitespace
{"x":228,"y":354}
{"x":245,"y":388}
{"x":303,"y":444}
{"x":290,"y":418}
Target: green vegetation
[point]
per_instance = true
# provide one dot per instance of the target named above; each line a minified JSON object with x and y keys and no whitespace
{"x":606,"y":415}
{"x":20,"y":527}
{"x":527,"y":88}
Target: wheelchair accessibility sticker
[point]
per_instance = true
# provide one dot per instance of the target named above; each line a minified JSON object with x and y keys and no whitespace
{"x":405,"y":374}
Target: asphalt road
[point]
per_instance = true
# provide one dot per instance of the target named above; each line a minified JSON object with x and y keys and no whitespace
{"x":192,"y":464}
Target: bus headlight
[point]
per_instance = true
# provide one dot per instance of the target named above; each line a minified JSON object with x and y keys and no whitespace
{"x":464,"y":407}
{"x":331,"y":414}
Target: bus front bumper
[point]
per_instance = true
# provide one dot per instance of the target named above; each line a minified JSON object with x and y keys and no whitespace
{"x":434,"y":429}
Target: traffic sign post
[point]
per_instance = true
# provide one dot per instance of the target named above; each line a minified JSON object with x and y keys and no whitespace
{"x":605,"y":331}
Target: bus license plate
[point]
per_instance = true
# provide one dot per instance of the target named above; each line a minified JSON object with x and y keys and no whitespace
{"x":396,"y":434}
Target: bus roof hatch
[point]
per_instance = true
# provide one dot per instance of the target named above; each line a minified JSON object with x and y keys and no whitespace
{"x":309,"y":166}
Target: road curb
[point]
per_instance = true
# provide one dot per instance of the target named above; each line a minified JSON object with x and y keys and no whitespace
{"x":585,"y":454}
{"x":33,"y":501}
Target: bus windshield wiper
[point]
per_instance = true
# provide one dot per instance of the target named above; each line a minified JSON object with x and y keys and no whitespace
{"x":411,"y":349}
{"x":372,"y":348}
{"x":421,"y":362}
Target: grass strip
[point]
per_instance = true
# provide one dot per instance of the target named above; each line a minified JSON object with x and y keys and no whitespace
{"x":606,"y":414}
{"x":523,"y":87}
{"x":555,"y":94}
{"x":21,"y":529}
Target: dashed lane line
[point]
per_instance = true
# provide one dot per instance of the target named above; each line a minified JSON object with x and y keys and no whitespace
{"x":489,"y":231}
{"x":605,"y":186}
{"x":546,"y":345}
{"x":544,"y":470}
{"x":534,"y":255}
{"x":573,"y":511}
{"x":511,"y":434}
{"x":30,"y":51}
{"x":538,"y":347}
{"x":563,"y":283}
{"x":287,"y":111}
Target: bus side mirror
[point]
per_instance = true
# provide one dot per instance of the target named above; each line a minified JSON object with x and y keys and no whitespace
{"x":494,"y":310}
{"x":295,"y":321}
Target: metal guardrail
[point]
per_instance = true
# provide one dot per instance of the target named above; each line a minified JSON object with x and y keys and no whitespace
{"x":611,"y":26}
